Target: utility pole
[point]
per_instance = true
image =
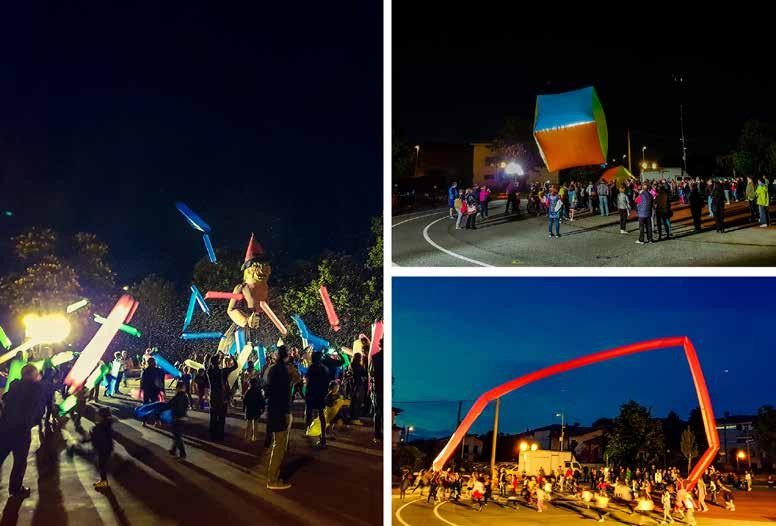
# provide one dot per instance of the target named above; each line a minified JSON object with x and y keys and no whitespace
{"x":495,"y":436}
{"x":684,"y":146}
{"x":630,"y":168}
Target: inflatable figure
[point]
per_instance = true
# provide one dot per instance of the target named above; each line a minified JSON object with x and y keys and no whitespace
{"x":246,"y":313}
{"x":570,"y":129}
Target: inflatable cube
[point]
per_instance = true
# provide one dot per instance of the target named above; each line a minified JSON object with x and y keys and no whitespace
{"x":570,"y":129}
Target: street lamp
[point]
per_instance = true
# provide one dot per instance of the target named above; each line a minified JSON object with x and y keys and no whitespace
{"x":523,"y":446}
{"x":644,"y":165}
{"x":407,"y":434}
{"x":534,"y":446}
{"x":654,"y":166}
{"x":643,"y":152}
{"x":739,"y":457}
{"x":417,"y":158}
{"x":562,"y":416}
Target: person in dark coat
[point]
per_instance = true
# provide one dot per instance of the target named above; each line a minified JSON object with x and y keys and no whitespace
{"x":278,"y":391}
{"x":21,"y":411}
{"x":254,"y":407}
{"x":151,"y":382}
{"x":663,"y":213}
{"x":359,"y":389}
{"x":218,"y":397}
{"x":101,"y":437}
{"x":179,"y":404}
{"x":377,"y":392}
{"x":315,"y":396}
{"x":696,"y":200}
{"x":718,"y":206}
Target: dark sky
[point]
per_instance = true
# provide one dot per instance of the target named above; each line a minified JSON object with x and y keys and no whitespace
{"x":459,"y":74}
{"x":265,"y":117}
{"x":524,"y":324}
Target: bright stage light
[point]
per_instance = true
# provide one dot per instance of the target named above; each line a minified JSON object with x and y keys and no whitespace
{"x":523,"y":446}
{"x":534,"y":447}
{"x":514,"y":169}
{"x":50,"y":328}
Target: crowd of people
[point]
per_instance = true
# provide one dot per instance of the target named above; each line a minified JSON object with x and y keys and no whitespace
{"x":652,"y":201}
{"x":659,"y":494}
{"x":336,"y":390}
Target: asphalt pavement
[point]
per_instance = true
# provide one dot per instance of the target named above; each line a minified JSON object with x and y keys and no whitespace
{"x":429,"y":239}
{"x":218,"y":483}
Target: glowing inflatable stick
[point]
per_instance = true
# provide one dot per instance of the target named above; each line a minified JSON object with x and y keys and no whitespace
{"x":262,"y":352}
{"x":377,"y":335}
{"x":124,"y":327}
{"x":214,"y":295}
{"x":94,"y":379}
{"x":62,"y":357}
{"x":330,"y":312}
{"x":239,"y":340}
{"x":189,"y":311}
{"x":194,"y":365}
{"x":209,"y":247}
{"x":275,"y":320}
{"x":132,"y":312}
{"x":194,"y":220}
{"x":303,"y":331}
{"x":14,"y":372}
{"x":201,"y":335}
{"x":241,"y":359}
{"x":4,"y":340}
{"x":166,"y":366}
{"x":24,"y":347}
{"x":99,"y":343}
{"x":75,"y":306}
{"x":201,"y":300}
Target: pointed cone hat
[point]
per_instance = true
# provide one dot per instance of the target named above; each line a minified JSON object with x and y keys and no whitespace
{"x":254,"y":252}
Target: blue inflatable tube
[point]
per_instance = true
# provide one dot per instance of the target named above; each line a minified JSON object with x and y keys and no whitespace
{"x":166,"y":366}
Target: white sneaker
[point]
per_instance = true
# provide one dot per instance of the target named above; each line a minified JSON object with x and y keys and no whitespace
{"x":278,"y":485}
{"x":623,"y":231}
{"x":763,"y":226}
{"x":640,"y":242}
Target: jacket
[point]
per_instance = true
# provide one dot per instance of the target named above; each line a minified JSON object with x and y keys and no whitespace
{"x":644,"y":205}
{"x":178,"y":405}
{"x":102,"y":437}
{"x":763,"y":199}
{"x":751,"y":191}
{"x":622,"y":201}
{"x":317,"y":384}
{"x":22,"y":407}
{"x":278,"y":391}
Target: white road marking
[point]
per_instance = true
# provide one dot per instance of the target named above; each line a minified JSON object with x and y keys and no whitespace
{"x":449,"y":252}
{"x":439,"y":516}
{"x":398,"y":512}
{"x":419,"y":217}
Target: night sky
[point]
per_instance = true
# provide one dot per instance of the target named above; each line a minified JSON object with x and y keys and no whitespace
{"x":263,"y":118}
{"x":459,"y":74}
{"x":455,"y":338}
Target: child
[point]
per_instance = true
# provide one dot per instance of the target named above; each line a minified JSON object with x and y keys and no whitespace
{"x":178,"y":405}
{"x":405,"y":483}
{"x":202,"y":387}
{"x":665,"y":500}
{"x":101,"y":438}
{"x":254,"y":407}
{"x":185,"y":379}
{"x":333,"y":409}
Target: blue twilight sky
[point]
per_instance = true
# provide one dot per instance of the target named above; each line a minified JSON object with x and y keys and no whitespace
{"x":454,"y":338}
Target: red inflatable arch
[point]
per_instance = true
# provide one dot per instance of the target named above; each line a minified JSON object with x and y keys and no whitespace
{"x":704,"y":402}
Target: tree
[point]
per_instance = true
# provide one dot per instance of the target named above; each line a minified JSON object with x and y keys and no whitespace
{"x":696,"y":424}
{"x":47,"y":273}
{"x":756,"y":151}
{"x":637,"y":438}
{"x":403,"y":157}
{"x":689,"y":447}
{"x":765,"y":431}
{"x":156,"y":316}
{"x":410,"y":457}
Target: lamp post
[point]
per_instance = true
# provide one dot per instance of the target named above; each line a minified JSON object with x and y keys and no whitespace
{"x":643,"y":153}
{"x":562,"y":416}
{"x":739,"y":457}
{"x":410,"y":429}
{"x":417,"y":158}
